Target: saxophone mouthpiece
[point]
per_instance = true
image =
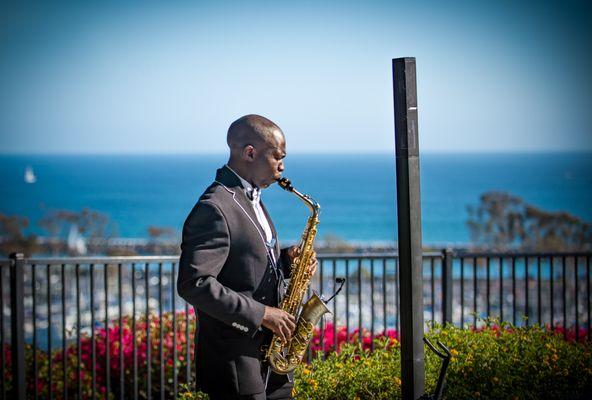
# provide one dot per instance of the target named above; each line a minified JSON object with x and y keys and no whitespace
{"x":285,"y":184}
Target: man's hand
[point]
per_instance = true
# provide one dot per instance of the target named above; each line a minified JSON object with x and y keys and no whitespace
{"x":294,"y":251}
{"x":279,"y":322}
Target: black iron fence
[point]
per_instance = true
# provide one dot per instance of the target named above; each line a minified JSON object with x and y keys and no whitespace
{"x":115,"y":327}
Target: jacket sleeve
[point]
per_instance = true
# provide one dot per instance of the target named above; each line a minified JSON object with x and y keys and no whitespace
{"x":204,"y":251}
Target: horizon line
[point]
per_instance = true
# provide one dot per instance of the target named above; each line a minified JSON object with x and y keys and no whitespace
{"x":300,"y":153}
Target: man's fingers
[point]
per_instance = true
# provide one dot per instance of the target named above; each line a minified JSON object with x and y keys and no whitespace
{"x":281,"y":335}
{"x":291,"y":325}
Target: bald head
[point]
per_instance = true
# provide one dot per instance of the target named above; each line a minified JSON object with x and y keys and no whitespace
{"x":251,"y":130}
{"x":257,"y":149}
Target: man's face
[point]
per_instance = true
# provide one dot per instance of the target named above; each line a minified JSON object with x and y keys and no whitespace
{"x":269,"y":161}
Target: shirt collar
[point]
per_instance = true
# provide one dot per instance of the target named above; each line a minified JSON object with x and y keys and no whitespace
{"x":253,"y":192}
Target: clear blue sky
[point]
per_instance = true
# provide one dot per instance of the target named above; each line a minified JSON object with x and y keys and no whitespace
{"x":169,"y":78}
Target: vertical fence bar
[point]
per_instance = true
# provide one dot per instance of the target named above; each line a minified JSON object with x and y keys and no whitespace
{"x":372,"y":303}
{"x":49,"y":338}
{"x":187,"y":344}
{"x":321,"y":287}
{"x":17,"y":325}
{"x":397,"y":297}
{"x":539,"y":290}
{"x":78,"y":333}
{"x":360,"y":300}
{"x":384,"y":298}
{"x":2,"y":346}
{"x":92,"y":329}
{"x":432,"y":290}
{"x":588,"y":296}
{"x":576,"y":263}
{"x":347,"y":300}
{"x":462,"y":292}
{"x":64,"y":358}
{"x":135,"y":344}
{"x":161,"y":331}
{"x":174,"y":307}
{"x":334,"y":267}
{"x":475,"y":291}
{"x":501,"y":288}
{"x":514,"y":290}
{"x":526,"y":281}
{"x":551,"y":297}
{"x":120,"y":301}
{"x":148,"y":341}
{"x":107,"y":344}
{"x":564,"y":289}
{"x":447,"y":286}
{"x":34,"y":295}
{"x":488,"y":285}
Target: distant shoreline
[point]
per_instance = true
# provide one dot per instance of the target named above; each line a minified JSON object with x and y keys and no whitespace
{"x":300,"y":153}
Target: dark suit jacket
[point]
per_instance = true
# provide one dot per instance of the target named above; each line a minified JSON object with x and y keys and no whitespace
{"x":225,"y":273}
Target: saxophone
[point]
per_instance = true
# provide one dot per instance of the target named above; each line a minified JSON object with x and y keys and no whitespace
{"x":284,"y":357}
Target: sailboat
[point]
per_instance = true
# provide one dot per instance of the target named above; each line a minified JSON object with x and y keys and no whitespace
{"x":30,"y":175}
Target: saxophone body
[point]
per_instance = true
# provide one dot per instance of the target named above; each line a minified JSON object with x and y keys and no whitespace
{"x":284,"y":357}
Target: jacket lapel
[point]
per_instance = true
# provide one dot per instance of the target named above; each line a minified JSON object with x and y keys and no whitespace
{"x":229,"y":179}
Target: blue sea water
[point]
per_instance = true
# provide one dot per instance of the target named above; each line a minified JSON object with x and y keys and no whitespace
{"x":357,"y":192}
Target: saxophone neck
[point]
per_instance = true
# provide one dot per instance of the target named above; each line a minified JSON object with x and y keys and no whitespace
{"x":312,"y":204}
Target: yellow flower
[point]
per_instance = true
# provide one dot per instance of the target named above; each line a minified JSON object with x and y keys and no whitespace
{"x":397,"y":381}
{"x":453,"y":352}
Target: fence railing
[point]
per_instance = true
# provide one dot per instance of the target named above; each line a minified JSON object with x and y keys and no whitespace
{"x":89,"y":327}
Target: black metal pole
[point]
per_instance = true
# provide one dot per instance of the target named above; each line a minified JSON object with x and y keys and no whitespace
{"x":17,"y":323}
{"x":409,"y":227}
{"x":447,"y":283}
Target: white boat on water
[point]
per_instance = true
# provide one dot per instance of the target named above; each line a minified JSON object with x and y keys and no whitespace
{"x":30,"y":175}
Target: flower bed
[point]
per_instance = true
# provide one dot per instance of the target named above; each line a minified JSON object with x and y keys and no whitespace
{"x":110,"y":361}
{"x":497,"y":362}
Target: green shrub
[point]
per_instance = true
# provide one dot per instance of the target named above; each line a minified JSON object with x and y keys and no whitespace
{"x":489,"y":363}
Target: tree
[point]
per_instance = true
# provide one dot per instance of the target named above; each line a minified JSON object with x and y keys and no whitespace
{"x":12,"y":239}
{"x":90,"y":223}
{"x":162,"y":233}
{"x":505,"y":222}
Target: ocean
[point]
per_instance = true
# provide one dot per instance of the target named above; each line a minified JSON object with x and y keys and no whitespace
{"x":357,"y":193}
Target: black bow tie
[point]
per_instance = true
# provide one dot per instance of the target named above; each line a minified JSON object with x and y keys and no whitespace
{"x":253,"y":194}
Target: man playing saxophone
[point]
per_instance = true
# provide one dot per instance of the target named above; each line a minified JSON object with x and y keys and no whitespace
{"x":232,"y":270}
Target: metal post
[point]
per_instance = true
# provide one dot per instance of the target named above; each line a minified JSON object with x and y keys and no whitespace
{"x":409,"y":227}
{"x":17,"y":323}
{"x":447,"y":286}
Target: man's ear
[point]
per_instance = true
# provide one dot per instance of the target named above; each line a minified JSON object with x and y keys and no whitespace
{"x":249,"y":153}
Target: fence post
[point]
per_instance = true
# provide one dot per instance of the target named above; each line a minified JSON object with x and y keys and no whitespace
{"x":17,"y":324}
{"x":447,"y":285}
{"x":409,"y":228}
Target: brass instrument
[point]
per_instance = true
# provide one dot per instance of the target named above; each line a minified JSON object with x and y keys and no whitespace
{"x":284,"y":357}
